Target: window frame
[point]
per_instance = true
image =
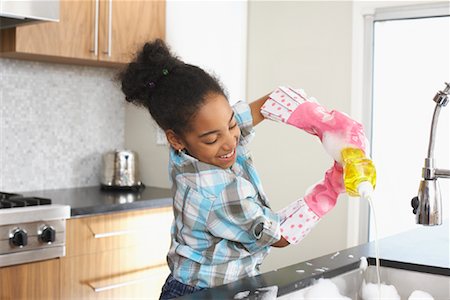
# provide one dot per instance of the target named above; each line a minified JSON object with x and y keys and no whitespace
{"x":358,"y":227}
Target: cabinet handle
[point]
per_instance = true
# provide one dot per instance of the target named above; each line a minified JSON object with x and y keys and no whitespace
{"x":113,"y":233}
{"x":118,"y":285}
{"x":125,"y":283}
{"x":95,"y":50}
{"x":108,"y":51}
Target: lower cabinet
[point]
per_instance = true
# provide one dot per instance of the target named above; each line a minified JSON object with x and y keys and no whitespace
{"x":109,"y":256}
{"x":117,"y":255}
{"x":31,"y":281}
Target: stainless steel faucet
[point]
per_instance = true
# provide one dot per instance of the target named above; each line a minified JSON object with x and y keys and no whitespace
{"x":427,"y":205}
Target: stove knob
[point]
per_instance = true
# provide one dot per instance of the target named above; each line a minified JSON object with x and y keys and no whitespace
{"x":18,"y":238}
{"x":48,"y":235}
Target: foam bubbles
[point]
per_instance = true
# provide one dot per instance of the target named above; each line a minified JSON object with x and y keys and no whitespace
{"x":372,"y":291}
{"x":364,"y":264}
{"x":324,"y":289}
{"x":264,"y":293}
{"x":335,"y":255}
{"x":269,"y":292}
{"x":420,"y":295}
{"x":241,"y":295}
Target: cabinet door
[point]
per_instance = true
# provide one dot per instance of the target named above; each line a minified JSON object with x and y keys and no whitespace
{"x":71,"y":37}
{"x":30,"y":281}
{"x":126,"y":25}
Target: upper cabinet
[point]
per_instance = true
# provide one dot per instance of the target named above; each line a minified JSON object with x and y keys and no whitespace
{"x":104,"y":32}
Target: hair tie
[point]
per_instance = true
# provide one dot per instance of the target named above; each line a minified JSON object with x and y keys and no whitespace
{"x":152,"y":84}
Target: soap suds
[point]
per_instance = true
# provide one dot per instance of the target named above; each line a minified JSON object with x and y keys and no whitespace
{"x":264,"y":293}
{"x":420,"y":295}
{"x":324,"y":289}
{"x":241,"y":295}
{"x":364,"y":264}
{"x":335,"y":255}
{"x":269,"y":293}
{"x":373,"y":291}
{"x":319,"y":270}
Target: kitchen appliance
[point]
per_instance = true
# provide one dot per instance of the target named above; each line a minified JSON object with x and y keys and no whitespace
{"x":18,"y":12}
{"x":31,"y":229}
{"x":121,"y":171}
{"x":427,"y":205}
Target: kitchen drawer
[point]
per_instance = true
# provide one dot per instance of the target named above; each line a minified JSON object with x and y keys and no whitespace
{"x":126,"y":273}
{"x":149,"y":229}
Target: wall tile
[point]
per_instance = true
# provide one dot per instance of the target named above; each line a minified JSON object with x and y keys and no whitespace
{"x":56,"y":121}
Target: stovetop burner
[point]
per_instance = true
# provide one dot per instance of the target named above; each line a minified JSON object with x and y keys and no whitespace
{"x":9,"y":200}
{"x":4,"y":195}
{"x":31,"y":229}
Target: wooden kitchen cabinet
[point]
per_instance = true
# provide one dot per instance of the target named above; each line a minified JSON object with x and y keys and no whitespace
{"x":96,"y":32}
{"x":116,"y":255}
{"x":31,"y":281}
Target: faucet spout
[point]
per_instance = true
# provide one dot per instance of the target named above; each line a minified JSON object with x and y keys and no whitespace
{"x":441,"y":173}
{"x":427,"y":205}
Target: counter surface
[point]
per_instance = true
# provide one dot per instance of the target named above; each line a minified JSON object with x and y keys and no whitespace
{"x":85,"y":201}
{"x":425,"y":249}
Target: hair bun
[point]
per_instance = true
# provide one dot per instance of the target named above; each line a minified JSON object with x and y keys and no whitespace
{"x":155,"y":53}
{"x":171,"y":90}
{"x":158,"y":57}
{"x":141,"y":77}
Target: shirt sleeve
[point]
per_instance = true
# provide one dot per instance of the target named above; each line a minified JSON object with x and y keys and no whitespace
{"x":243,"y":220}
{"x":243,"y":115}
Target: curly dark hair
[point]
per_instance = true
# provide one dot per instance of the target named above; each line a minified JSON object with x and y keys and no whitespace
{"x":170,"y":89}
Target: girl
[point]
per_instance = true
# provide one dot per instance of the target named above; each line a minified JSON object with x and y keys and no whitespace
{"x":223,"y":225}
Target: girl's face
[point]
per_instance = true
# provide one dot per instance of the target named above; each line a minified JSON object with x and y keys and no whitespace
{"x":214,"y":135}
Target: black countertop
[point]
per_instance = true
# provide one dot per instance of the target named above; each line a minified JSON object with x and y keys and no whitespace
{"x":85,"y":201}
{"x":425,"y":249}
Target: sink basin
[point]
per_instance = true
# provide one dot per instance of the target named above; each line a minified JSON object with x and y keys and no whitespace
{"x":405,"y":281}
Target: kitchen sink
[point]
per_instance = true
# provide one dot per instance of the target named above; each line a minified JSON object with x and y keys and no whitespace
{"x":405,"y":281}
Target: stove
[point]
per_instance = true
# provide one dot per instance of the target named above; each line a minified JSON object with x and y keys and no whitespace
{"x":31,"y":229}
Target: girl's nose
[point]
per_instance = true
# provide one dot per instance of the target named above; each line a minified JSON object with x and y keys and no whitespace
{"x":230,"y":142}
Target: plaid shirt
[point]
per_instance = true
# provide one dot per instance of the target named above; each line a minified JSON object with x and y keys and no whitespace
{"x":223,"y":226}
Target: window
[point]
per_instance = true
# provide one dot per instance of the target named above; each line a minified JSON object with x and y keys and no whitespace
{"x":411,"y":62}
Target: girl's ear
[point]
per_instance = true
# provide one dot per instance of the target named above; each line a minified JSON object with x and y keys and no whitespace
{"x":174,"y":140}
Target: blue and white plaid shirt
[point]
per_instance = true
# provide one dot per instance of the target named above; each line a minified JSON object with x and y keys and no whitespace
{"x":223,"y":226}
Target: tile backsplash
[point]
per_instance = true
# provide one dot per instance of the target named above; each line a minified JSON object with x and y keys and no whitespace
{"x":56,"y":121}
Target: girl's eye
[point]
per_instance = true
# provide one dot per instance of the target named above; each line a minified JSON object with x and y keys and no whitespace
{"x":233,"y":126}
{"x":210,"y":143}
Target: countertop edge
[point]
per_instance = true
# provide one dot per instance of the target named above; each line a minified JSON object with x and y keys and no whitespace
{"x":81,"y":212}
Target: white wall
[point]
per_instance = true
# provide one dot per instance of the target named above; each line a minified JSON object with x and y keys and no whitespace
{"x":210,"y":34}
{"x":305,"y":44}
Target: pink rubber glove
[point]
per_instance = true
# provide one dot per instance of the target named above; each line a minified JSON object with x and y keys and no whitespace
{"x":323,"y":195}
{"x":302,"y":215}
{"x":335,"y":129}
